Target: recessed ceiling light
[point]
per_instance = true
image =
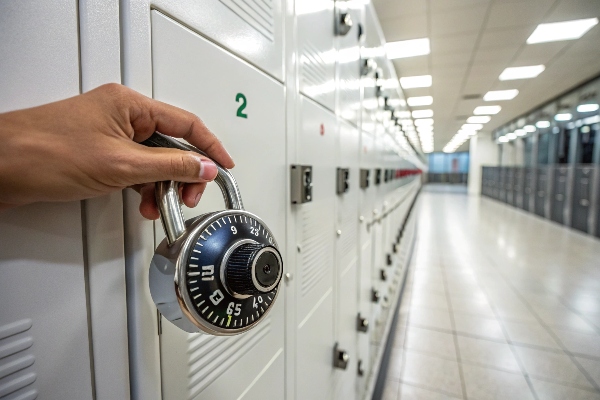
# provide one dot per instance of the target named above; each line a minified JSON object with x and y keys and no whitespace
{"x":521,"y":132}
{"x":529,"y":128}
{"x":422,"y":114}
{"x":503,"y":139}
{"x":424,"y":122}
{"x":563,"y":117}
{"x":501,"y":95}
{"x":396,"y":102}
{"x":543,"y":124}
{"x":487,"y":110}
{"x":484,"y":119}
{"x":407,"y":48}
{"x":566,"y":30}
{"x":425,"y":129}
{"x":401,"y":114}
{"x":511,"y":136}
{"x":410,"y":82}
{"x":583,"y":108}
{"x":471,"y":127}
{"x":521,"y":72}
{"x":420,"y":101}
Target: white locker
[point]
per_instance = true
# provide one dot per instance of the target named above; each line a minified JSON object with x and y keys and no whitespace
{"x":245,"y":108}
{"x":347,"y":261}
{"x":316,"y":51}
{"x":44,"y":346}
{"x":315,"y":226}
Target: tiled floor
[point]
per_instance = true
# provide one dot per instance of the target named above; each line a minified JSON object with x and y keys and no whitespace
{"x":498,"y":304}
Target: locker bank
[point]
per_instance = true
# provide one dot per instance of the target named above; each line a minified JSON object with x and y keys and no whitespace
{"x":351,"y":253}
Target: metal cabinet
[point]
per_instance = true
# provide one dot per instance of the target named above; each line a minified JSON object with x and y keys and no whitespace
{"x":584,"y":176}
{"x":509,"y":184}
{"x":44,"y":332}
{"x":558,"y":200}
{"x":519,"y":177}
{"x":542,"y":191}
{"x":245,"y":108}
{"x":528,"y":188}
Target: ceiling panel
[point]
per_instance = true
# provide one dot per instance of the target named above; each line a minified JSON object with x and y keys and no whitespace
{"x":413,"y":27}
{"x":495,"y":56}
{"x":464,"y":42}
{"x":411,"y":66}
{"x":508,"y":37}
{"x":536,"y":54}
{"x":574,"y":9}
{"x":445,"y":5}
{"x":462,"y":20}
{"x":399,"y":8}
{"x":508,"y":15}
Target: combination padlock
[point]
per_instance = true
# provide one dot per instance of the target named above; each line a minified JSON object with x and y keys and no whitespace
{"x":218,"y":273}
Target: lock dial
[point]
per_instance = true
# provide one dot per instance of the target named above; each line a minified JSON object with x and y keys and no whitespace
{"x":232,"y":272}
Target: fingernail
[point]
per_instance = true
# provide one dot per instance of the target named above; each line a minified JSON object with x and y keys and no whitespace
{"x":197,"y":199}
{"x":208,"y":170}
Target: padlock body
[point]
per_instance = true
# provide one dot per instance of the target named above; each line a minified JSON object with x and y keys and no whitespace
{"x":187,"y":281}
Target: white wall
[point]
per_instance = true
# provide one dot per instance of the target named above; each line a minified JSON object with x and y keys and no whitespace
{"x":483,"y":151}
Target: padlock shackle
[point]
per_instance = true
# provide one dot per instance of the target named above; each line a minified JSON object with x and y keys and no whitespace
{"x":167,"y":192}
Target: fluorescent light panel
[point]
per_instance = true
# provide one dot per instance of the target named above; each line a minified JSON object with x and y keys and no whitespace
{"x":496,"y":95}
{"x":422,"y":114}
{"x":583,"y":108}
{"x":487,"y":110}
{"x":565,"y":30}
{"x":420,"y":81}
{"x":420,"y":101}
{"x":521,"y":72}
{"x":407,"y":48}
{"x":563,"y":117}
{"x":471,"y":127}
{"x":529,"y":128}
{"x":543,"y":124}
{"x":484,"y":119}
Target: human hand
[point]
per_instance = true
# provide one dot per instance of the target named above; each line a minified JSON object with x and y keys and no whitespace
{"x":88,"y":146}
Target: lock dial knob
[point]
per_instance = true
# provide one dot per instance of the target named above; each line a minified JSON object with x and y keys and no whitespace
{"x":253,"y":269}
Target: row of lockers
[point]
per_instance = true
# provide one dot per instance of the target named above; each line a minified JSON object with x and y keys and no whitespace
{"x":282,"y":85}
{"x":568,"y":195}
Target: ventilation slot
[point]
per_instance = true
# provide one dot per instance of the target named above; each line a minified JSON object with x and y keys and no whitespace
{"x":259,"y":14}
{"x":314,"y":79}
{"x":210,"y":356}
{"x":16,"y":361}
{"x":316,"y":243}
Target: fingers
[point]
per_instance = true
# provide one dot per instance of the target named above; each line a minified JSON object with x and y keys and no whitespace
{"x":144,"y":164}
{"x":191,"y":195}
{"x":149,"y":115}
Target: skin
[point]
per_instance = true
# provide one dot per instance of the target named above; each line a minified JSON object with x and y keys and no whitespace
{"x":88,"y":146}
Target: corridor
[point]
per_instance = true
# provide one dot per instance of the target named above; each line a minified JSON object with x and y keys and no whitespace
{"x":498,"y":304}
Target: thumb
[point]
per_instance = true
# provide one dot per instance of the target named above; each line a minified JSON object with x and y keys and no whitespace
{"x":162,"y":164}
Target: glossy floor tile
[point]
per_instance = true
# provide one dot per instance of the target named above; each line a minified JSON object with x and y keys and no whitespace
{"x":498,"y":304}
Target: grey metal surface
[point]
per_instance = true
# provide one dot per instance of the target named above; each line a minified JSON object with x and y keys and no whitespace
{"x":582,"y":197}
{"x":558,"y":199}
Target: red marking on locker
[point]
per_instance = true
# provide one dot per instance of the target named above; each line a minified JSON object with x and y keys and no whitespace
{"x":322,"y":130}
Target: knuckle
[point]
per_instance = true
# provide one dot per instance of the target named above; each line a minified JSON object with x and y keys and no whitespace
{"x":185,"y":165}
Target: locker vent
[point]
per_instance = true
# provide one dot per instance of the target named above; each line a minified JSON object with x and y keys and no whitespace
{"x":316,"y":245}
{"x":16,"y":371}
{"x":259,"y":14}
{"x":210,"y":356}
{"x":313,"y":74}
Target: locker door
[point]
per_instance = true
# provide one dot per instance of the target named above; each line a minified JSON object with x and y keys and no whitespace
{"x":559,"y":194}
{"x":510,"y":185}
{"x":365,"y":259}
{"x":316,"y":51}
{"x":518,"y":188}
{"x":44,"y":342}
{"x":541,"y":191}
{"x":582,"y":197}
{"x":315,"y":226}
{"x":348,"y":68}
{"x":527,"y":189}
{"x":245,"y":108}
{"x":503,"y":184}
{"x":347,"y":261}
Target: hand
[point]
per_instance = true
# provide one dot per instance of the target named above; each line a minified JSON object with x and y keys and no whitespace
{"x":88,"y":146}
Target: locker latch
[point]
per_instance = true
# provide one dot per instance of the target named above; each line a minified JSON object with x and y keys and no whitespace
{"x":362,"y":324}
{"x":342,"y":185}
{"x":364,"y":178}
{"x":340,"y":357}
{"x":301,"y":181}
{"x":377,"y":176}
{"x":343,"y":23}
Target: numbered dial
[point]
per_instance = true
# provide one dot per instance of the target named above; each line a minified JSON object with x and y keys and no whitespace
{"x":233,"y":271}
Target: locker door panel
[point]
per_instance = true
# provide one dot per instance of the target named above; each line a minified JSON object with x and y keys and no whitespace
{"x":43,"y":305}
{"x":315,"y":226}
{"x":348,"y":87}
{"x":347,"y":260}
{"x":559,"y":194}
{"x":582,"y":197}
{"x":200,"y":366}
{"x":252,"y":29}
{"x":316,"y":51}
{"x":541,"y":191}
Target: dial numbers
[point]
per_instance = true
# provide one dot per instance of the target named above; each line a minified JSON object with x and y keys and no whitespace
{"x":213,"y":302}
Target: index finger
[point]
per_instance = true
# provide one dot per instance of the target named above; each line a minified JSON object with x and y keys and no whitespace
{"x":154,"y":115}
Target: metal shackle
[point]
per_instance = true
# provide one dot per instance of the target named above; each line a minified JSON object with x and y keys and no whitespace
{"x":167,"y":192}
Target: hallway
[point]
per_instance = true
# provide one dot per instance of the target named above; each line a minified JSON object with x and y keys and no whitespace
{"x":498,"y":304}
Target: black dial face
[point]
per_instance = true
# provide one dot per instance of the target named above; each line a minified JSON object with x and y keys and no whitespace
{"x":232,"y":244}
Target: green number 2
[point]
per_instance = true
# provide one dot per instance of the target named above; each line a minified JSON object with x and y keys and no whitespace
{"x":240,"y":110}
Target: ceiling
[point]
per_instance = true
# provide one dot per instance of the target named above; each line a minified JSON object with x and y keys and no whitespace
{"x":473,"y":41}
